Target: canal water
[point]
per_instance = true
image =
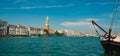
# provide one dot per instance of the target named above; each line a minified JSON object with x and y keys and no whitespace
{"x":51,"y":46}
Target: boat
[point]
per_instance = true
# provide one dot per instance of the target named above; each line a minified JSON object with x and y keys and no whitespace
{"x":109,"y":41}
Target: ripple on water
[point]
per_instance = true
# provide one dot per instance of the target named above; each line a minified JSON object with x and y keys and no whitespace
{"x":50,"y":46}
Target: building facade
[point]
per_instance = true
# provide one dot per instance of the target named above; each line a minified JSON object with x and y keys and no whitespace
{"x":17,"y":30}
{"x":35,"y":31}
{"x":3,"y":28}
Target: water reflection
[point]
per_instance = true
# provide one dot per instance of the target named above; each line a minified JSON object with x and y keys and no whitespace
{"x":111,"y":54}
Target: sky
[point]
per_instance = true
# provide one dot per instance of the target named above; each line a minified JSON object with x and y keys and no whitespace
{"x":63,"y":14}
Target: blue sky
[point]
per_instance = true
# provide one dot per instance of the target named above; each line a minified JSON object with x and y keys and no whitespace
{"x":63,"y":14}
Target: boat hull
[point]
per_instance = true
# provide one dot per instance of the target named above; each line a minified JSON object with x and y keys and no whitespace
{"x":111,"y":46}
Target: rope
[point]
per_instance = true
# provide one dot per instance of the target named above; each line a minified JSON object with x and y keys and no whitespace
{"x":115,"y":13}
{"x":116,"y":20}
{"x":96,"y":30}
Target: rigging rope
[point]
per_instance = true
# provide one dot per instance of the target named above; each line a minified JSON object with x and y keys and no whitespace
{"x":115,"y":13}
{"x":111,"y":25}
{"x":116,"y":20}
{"x":96,"y":30}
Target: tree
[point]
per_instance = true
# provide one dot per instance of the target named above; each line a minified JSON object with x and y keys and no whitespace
{"x":59,"y":34}
{"x":46,"y":31}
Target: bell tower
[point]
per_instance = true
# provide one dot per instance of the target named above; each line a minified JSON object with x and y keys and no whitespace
{"x":47,"y":23}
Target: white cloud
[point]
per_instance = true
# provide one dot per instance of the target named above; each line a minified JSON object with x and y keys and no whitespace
{"x":44,"y":7}
{"x":33,"y":7}
{"x":75,"y":23}
{"x":85,"y":22}
{"x":90,"y":19}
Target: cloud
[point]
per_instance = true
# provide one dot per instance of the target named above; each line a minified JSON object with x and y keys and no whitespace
{"x":90,"y":19}
{"x":35,"y":7}
{"x":58,"y":6}
{"x":75,"y":23}
{"x":85,"y":22}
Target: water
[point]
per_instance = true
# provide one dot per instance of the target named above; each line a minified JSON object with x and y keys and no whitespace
{"x":51,"y":46}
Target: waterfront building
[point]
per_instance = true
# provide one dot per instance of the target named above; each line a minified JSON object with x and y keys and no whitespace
{"x":35,"y":31}
{"x":73,"y":33}
{"x":11,"y":29}
{"x":52,"y":32}
{"x":17,"y":30}
{"x":3,"y":28}
{"x":23,"y":30}
{"x":32,"y":31}
{"x":60,"y":31}
{"x":69,"y":33}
